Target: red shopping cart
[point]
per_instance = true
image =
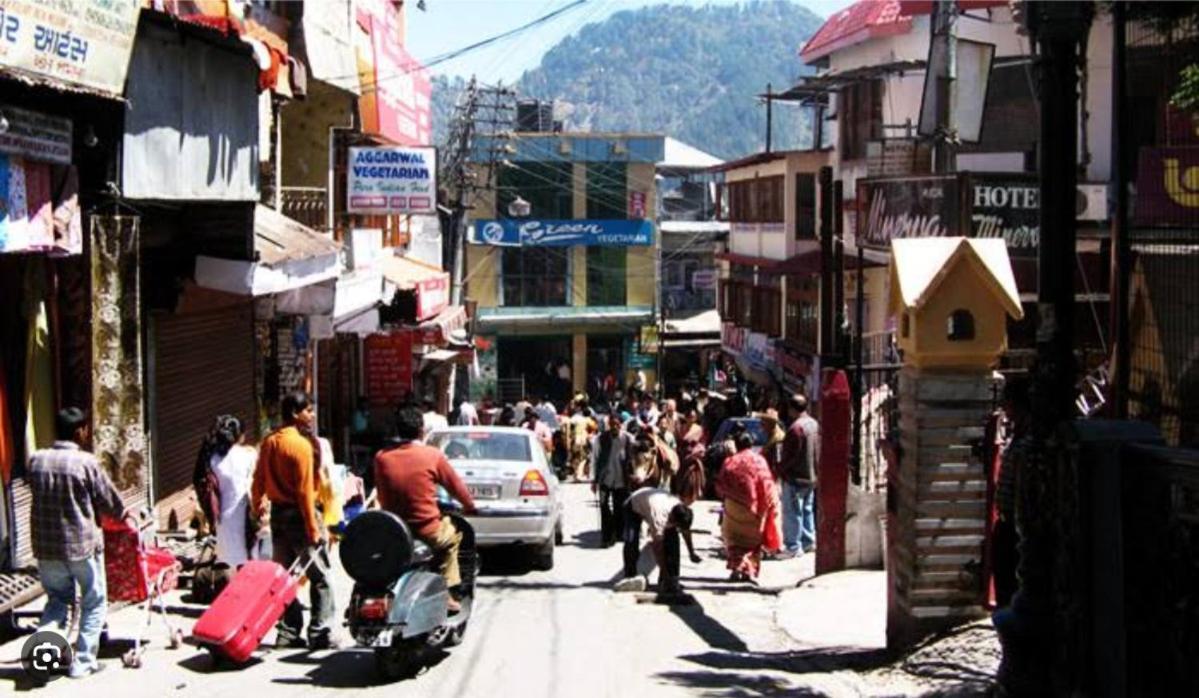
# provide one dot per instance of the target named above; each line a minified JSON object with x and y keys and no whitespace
{"x":140,"y":573}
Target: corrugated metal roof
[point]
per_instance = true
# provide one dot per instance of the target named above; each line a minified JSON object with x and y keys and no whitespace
{"x":680,"y":155}
{"x":866,"y":19}
{"x":406,"y":272}
{"x":279,"y":239}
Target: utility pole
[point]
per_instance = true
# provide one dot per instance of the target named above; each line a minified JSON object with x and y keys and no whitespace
{"x":1032,"y":647}
{"x":827,"y":311}
{"x":482,"y":114}
{"x":943,"y":70}
{"x":1121,"y":264}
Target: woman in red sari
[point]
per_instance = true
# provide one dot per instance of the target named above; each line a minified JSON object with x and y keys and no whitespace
{"x":750,"y":502}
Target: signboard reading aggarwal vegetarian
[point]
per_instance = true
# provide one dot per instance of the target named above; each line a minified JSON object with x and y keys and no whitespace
{"x":392,"y":180}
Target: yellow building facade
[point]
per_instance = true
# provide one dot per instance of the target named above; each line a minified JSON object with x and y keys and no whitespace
{"x":561,"y":295}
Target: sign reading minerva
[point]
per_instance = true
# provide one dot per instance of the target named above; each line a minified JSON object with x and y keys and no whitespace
{"x":392,"y":180}
{"x":564,"y":233}
{"x":982,"y":205}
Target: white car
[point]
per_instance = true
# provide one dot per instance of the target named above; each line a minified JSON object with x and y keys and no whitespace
{"x":515,"y":489}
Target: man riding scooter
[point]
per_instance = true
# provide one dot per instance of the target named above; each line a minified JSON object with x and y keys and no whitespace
{"x":406,"y":479}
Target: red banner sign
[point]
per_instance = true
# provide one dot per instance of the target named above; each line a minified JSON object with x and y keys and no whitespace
{"x":388,"y":367}
{"x":432,"y":296}
{"x":1168,"y":187}
{"x":733,"y":338}
{"x":396,"y":102}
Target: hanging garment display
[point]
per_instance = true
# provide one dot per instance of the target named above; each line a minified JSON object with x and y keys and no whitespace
{"x":117,"y":397}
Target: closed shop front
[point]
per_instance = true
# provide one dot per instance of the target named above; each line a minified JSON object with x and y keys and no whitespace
{"x":203,"y":366}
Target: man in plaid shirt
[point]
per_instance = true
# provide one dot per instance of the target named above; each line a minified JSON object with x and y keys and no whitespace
{"x":70,"y":490}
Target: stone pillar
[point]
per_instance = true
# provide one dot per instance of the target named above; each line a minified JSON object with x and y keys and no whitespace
{"x":832,"y":490}
{"x":937,"y":515}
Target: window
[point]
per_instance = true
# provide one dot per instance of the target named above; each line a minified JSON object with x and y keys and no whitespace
{"x":607,"y":275}
{"x":535,"y":276}
{"x":960,"y":327}
{"x":547,"y":186}
{"x":860,"y":117}
{"x":805,"y":206}
{"x":803,"y":317}
{"x":766,"y":311}
{"x":607,"y":190}
{"x":757,"y":200}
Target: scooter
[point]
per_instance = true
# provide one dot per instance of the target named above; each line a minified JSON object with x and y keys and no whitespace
{"x":398,"y":606}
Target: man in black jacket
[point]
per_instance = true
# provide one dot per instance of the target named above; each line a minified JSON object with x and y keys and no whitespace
{"x":611,"y":461}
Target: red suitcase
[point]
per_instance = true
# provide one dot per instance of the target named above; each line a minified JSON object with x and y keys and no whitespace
{"x":247,"y":609}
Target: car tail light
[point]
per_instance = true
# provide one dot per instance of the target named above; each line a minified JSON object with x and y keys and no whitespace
{"x":374,"y":609}
{"x":534,"y":485}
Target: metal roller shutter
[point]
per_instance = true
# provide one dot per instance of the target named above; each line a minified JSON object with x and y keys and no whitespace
{"x":204,"y":367}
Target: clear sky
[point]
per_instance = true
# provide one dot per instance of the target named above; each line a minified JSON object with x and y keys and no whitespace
{"x":451,"y":24}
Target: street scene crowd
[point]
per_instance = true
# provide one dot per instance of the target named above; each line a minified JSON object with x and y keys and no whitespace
{"x":648,"y":461}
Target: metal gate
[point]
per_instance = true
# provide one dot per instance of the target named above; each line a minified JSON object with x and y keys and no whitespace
{"x":203,"y":366}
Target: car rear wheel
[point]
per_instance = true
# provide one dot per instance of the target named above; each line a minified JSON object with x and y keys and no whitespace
{"x":543,"y":556}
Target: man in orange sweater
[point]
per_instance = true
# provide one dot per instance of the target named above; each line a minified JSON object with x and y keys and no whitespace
{"x":406,"y":479}
{"x":288,"y":475}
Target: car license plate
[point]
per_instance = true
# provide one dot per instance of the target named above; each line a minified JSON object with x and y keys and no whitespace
{"x":484,"y":491}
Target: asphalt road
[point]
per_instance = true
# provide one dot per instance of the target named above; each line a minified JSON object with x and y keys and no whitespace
{"x":557,"y":633}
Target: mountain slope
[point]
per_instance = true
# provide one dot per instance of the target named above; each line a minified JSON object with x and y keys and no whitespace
{"x":686,"y":71}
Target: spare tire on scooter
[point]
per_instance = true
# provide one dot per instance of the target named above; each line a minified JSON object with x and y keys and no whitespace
{"x":378,"y":546}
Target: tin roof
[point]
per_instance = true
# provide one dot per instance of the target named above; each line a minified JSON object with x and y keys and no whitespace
{"x":861,"y":21}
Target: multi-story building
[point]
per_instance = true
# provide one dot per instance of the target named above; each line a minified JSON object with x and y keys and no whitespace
{"x":562,"y":263}
{"x":872,"y":60}
{"x":691,"y":238}
{"x":770,"y":294}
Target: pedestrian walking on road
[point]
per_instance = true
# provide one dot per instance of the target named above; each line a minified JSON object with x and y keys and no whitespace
{"x":747,"y":488}
{"x":222,"y":478}
{"x":666,"y":518}
{"x":433,"y":419}
{"x":799,"y":466}
{"x":288,"y":477}
{"x":468,"y":416}
{"x":611,"y":461}
{"x":689,"y":484}
{"x":70,"y":490}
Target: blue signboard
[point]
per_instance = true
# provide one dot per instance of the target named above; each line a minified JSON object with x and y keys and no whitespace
{"x":610,"y":233}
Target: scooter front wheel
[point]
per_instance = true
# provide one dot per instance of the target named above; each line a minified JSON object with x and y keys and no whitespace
{"x":400,"y":661}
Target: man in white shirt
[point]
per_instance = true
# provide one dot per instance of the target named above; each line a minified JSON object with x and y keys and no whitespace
{"x":547,"y":413}
{"x":433,"y":420}
{"x":666,"y":517}
{"x":468,"y":416}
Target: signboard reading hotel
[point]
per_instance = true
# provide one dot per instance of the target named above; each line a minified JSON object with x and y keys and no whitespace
{"x":983,"y":205}
{"x":388,"y":367}
{"x":85,"y":43}
{"x":564,"y":233}
{"x":392,"y":180}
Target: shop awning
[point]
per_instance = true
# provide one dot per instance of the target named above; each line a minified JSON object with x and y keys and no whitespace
{"x":705,"y":322}
{"x":438,"y":330}
{"x":288,"y":255}
{"x":407,"y":273}
{"x":449,"y":356}
{"x":626,"y":316}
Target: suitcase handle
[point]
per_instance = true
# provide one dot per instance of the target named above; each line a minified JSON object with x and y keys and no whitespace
{"x":299,"y":566}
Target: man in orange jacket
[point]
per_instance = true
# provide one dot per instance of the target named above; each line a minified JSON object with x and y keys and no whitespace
{"x":288,"y":476}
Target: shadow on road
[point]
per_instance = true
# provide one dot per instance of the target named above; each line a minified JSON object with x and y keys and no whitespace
{"x":708,"y":628}
{"x":506,"y":585}
{"x":346,"y":669}
{"x":206,"y":663}
{"x":717,"y":684}
{"x":18,"y":680}
{"x":815,"y":661}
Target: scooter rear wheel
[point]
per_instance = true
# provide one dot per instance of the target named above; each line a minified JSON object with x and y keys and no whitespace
{"x":400,"y":661}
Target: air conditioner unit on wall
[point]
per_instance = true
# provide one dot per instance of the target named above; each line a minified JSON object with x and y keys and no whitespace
{"x":1092,"y":202}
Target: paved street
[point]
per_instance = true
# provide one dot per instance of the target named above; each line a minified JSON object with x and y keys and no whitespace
{"x":565,"y":632}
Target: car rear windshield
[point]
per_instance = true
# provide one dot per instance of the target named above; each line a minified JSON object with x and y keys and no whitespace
{"x":753,"y":426}
{"x":482,"y":446}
